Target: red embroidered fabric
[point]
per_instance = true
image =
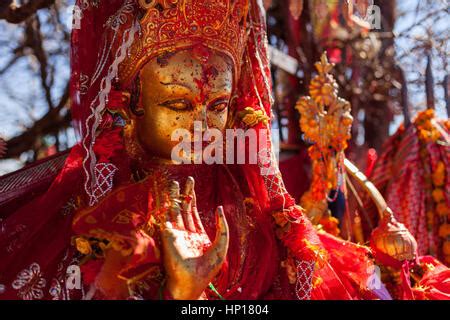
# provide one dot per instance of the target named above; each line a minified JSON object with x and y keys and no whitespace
{"x":402,"y":173}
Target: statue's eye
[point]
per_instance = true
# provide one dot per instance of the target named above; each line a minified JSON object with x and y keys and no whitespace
{"x":179,"y":104}
{"x":219,"y":106}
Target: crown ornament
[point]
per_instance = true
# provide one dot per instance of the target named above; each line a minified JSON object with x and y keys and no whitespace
{"x":172,"y":25}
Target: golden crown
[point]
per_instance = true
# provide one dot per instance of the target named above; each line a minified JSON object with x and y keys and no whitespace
{"x":171,"y":25}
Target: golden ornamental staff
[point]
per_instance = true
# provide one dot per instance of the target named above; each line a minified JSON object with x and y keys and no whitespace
{"x":326,"y":122}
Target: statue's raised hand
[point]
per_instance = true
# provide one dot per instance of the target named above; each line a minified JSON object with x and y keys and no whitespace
{"x":191,"y":260}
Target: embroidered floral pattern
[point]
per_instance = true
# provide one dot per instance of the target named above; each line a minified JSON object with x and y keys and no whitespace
{"x":84,"y":84}
{"x":120,"y":18}
{"x":30,"y":283}
{"x":85,"y":4}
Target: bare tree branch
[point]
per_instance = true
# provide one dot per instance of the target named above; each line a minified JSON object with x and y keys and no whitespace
{"x":12,"y":13}
{"x":51,"y":123}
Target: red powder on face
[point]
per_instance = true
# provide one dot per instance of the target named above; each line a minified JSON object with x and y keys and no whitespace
{"x":209,"y":72}
{"x":203,"y":86}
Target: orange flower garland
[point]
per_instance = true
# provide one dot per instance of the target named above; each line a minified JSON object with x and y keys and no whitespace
{"x":428,"y":133}
{"x":326,"y":121}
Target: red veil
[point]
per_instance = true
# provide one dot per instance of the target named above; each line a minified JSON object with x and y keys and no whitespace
{"x":35,"y":241}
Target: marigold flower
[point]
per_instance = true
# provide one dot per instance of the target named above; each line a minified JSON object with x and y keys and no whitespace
{"x":251,"y":117}
{"x":446,"y":248}
{"x":331,"y":225}
{"x":442,"y":209}
{"x":438,"y":195}
{"x":447,"y":124}
{"x":83,"y":246}
{"x":444,"y":230}
{"x":423,"y":135}
{"x":280,"y":219}
{"x":438,"y":175}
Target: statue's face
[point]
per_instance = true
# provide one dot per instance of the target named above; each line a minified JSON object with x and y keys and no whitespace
{"x":178,"y":89}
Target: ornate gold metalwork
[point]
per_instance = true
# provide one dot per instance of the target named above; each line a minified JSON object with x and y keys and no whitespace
{"x":394,"y":239}
{"x":326,"y":122}
{"x":325,"y":118}
{"x":171,"y":25}
{"x":390,"y":237}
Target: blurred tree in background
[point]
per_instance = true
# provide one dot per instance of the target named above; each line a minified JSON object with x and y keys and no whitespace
{"x":34,"y":74}
{"x":375,"y":68}
{"x":387,"y":73}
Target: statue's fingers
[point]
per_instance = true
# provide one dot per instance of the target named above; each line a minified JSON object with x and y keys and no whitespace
{"x":189,"y":186}
{"x":177,"y":217}
{"x":194,"y":197}
{"x":175,"y":210}
{"x":187,"y":205}
{"x":219,"y":248}
{"x":197,"y":220}
{"x":174,"y":190}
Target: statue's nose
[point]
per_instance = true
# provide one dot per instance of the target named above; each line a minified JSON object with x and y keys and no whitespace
{"x":200,"y":116}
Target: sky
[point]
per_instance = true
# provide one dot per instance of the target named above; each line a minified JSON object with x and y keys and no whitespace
{"x":417,"y":62}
